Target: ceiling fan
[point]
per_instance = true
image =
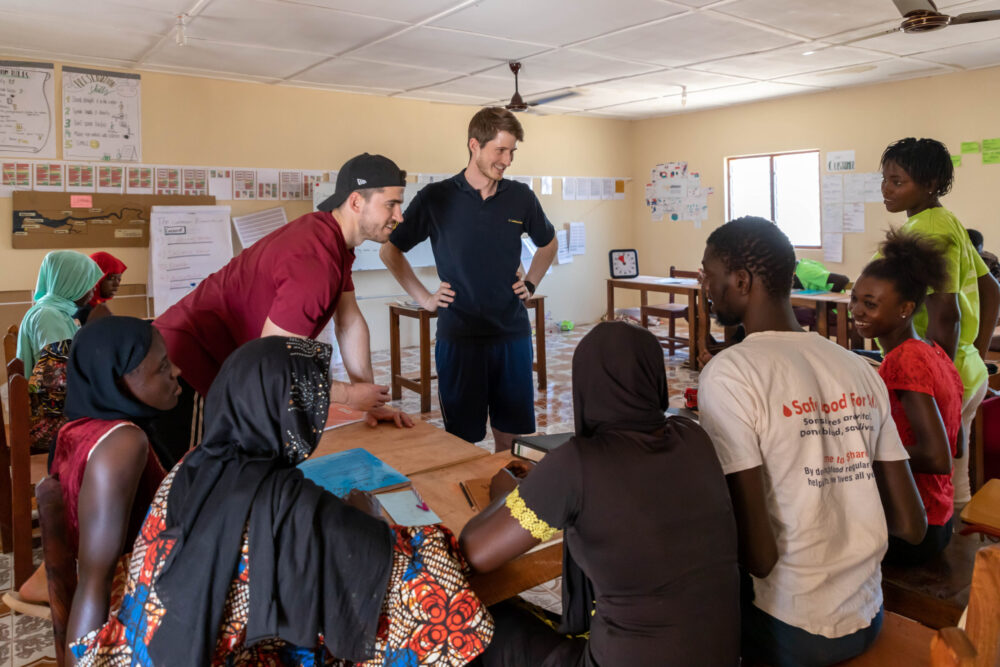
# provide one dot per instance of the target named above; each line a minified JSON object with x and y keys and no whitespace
{"x":923,"y":16}
{"x":518,"y":104}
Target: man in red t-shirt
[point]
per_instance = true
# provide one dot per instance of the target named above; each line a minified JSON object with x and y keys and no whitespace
{"x":289,"y":283}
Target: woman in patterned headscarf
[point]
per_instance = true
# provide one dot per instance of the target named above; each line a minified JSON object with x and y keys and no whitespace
{"x":243,"y":561}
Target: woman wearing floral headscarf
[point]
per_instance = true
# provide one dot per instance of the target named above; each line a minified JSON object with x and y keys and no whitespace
{"x":243,"y":561}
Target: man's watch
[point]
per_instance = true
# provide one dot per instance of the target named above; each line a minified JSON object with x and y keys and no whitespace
{"x":530,"y":285}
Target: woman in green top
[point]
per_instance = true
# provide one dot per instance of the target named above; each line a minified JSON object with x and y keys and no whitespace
{"x":961,"y":317}
{"x":66,"y":281}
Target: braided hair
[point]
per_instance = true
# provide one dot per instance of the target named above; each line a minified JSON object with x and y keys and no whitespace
{"x":759,"y":247}
{"x":927,"y":161}
{"x":912,"y":263}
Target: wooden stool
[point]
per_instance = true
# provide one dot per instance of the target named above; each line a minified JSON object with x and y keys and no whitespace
{"x":421,"y":383}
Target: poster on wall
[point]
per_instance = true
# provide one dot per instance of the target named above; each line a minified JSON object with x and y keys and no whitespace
{"x":676,"y":194}
{"x":27,"y":113}
{"x":101,"y":115}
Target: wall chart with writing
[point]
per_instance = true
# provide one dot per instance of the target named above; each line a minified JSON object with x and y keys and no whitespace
{"x":27,"y":115}
{"x":101,"y":115}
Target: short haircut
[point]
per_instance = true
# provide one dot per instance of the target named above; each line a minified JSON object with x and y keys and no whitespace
{"x":927,"y":161}
{"x":912,"y":263}
{"x":977,"y":239}
{"x":491,"y":121}
{"x":759,"y":247}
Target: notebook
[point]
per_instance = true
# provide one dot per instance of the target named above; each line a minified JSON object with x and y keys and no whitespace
{"x":356,"y":468}
{"x":534,"y":447}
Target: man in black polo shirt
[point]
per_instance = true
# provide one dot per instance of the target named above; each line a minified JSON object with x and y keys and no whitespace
{"x":475,"y":221}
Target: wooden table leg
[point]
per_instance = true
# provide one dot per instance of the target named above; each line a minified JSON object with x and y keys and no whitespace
{"x":822,"y":319}
{"x":611,"y":303}
{"x":694,"y":329}
{"x":842,"y":338}
{"x":540,"y":343}
{"x":425,"y":361}
{"x":395,"y":362}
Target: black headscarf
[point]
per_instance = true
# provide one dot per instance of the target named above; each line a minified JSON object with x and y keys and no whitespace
{"x":619,"y":384}
{"x":101,"y":354}
{"x":317,"y":566}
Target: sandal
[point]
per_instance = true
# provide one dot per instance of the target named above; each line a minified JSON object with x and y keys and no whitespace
{"x":16,"y":603}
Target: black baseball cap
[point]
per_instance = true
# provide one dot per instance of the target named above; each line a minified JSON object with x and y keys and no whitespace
{"x":360,"y":172}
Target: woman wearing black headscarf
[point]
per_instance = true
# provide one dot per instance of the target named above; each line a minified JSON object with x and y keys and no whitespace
{"x":243,"y":561}
{"x":117,"y":377}
{"x":650,"y":540}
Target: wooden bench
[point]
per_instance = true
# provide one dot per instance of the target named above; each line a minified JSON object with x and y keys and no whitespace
{"x":936,"y":592}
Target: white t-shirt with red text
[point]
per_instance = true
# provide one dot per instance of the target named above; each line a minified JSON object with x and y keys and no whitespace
{"x":814,"y":415}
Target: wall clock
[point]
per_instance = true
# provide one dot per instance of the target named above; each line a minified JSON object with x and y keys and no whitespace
{"x":624,"y":263}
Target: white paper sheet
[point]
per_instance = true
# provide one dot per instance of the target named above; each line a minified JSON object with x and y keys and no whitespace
{"x":254,"y":226}
{"x":168,"y":180}
{"x":568,"y":189}
{"x":873,"y":187}
{"x":833,"y":247}
{"x":81,"y":178}
{"x":563,"y":256}
{"x":111,"y":179}
{"x":244,"y":184}
{"x":267,"y":184}
{"x":139,"y":180}
{"x":527,"y":180}
{"x":607,"y":188}
{"x":291,"y":184}
{"x":596,"y":187}
{"x":195,"y":181}
{"x":854,"y":187}
{"x":840,"y":161}
{"x":854,"y":217}
{"x":310,"y":178}
{"x":832,"y":217}
{"x":186,"y":244}
{"x":577,"y":238}
{"x":101,"y":115}
{"x":49,"y":177}
{"x":27,"y":114}
{"x":546,"y":185}
{"x":14,"y":175}
{"x":220,"y":183}
{"x":832,"y":188}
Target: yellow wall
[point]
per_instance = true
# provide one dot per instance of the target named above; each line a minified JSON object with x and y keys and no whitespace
{"x":951,"y":108}
{"x":209,"y":122}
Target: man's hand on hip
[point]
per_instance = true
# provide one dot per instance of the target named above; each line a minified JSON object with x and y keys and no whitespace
{"x":442,"y":298}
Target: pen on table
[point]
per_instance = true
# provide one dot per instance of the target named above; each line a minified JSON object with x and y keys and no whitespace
{"x":465,"y":492}
{"x":421,"y":504}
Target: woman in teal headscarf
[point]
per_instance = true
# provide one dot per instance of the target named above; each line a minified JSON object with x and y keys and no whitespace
{"x":66,"y":280}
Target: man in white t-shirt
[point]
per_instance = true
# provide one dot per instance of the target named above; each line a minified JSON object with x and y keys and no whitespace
{"x":816,"y":470}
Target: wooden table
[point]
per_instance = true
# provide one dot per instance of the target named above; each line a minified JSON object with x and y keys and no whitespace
{"x":823,"y":303}
{"x":440,"y":488}
{"x":697,"y":309}
{"x":421,"y":383}
{"x":408,"y":450}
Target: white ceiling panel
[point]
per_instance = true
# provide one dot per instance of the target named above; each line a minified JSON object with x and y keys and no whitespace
{"x":151,"y":17}
{"x":396,"y":10}
{"x":884,"y":70}
{"x":969,"y":56}
{"x":233,"y":59}
{"x":573,"y":68}
{"x":283,"y":25}
{"x":669,"y":82}
{"x":656,"y":107}
{"x":352,"y":72}
{"x":687,"y":39}
{"x":592,"y":98}
{"x":23,"y":32}
{"x":791,"y":60}
{"x":446,"y":98}
{"x":494,"y":87}
{"x":448,"y":49}
{"x":561,"y":22}
{"x":813,"y":19}
{"x":743,"y":93}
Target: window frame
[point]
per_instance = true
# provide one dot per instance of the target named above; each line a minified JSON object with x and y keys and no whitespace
{"x":771,"y":156}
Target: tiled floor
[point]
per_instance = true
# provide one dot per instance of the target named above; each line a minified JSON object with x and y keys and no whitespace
{"x":28,"y":641}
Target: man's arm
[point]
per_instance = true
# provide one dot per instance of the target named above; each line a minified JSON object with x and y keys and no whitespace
{"x":758,"y":549}
{"x":904,"y":511}
{"x":539,"y":265}
{"x":989,"y":308}
{"x":353,"y":337}
{"x":943,"y":320}
{"x":401,"y":270}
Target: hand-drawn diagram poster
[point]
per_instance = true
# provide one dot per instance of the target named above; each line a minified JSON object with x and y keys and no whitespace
{"x":101,"y":114}
{"x":675,"y":193}
{"x":27,"y":116}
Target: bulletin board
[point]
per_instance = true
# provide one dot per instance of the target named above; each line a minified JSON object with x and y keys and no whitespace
{"x":52,"y":220}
